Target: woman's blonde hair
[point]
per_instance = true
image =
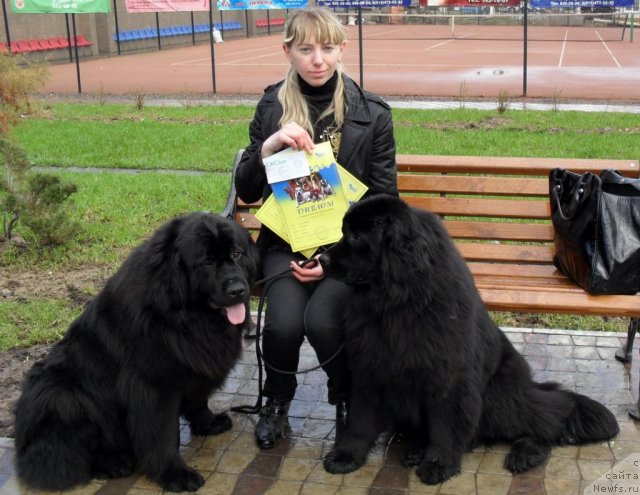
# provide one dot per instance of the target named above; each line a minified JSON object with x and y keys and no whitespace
{"x":322,"y":25}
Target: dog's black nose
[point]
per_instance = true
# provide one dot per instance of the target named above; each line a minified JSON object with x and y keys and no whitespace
{"x":235,"y":289}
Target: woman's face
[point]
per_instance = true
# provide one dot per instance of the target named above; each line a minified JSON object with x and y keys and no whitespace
{"x":314,"y":62}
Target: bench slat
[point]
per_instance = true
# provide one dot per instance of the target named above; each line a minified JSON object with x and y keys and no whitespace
{"x":248,"y":220}
{"x":506,"y":252}
{"x":521,"y":271}
{"x":517,"y":299}
{"x":510,"y":165}
{"x":506,"y":231}
{"x":467,"y":184}
{"x":493,"y":208}
{"x":540,"y":284}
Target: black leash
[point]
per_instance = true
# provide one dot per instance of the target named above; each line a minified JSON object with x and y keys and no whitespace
{"x":267,"y":281}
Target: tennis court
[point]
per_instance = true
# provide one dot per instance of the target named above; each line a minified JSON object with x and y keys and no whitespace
{"x":461,"y":60}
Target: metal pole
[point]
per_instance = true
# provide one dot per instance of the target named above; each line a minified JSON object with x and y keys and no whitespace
{"x":211,"y":42}
{"x":115,"y":12}
{"x":246,"y":21}
{"x":193,"y":30}
{"x":525,"y":21}
{"x":268,"y":23}
{"x":6,"y":25}
{"x":158,"y":30}
{"x":75,"y":49}
{"x":360,"y":47}
{"x":66,"y":20}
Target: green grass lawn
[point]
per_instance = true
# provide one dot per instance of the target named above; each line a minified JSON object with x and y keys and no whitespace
{"x":118,"y":209}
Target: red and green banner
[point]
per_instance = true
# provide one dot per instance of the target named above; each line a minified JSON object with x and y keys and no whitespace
{"x":60,"y":6}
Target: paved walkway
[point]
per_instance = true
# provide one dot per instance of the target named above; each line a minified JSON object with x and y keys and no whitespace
{"x":232,"y":464}
{"x":414,"y":103}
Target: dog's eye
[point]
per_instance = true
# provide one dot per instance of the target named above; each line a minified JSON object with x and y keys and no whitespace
{"x":236,"y":255}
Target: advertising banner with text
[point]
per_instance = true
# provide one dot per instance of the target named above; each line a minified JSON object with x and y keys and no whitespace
{"x":60,"y":6}
{"x":166,"y":5}
{"x":261,"y":4}
{"x":575,"y":4}
{"x":365,"y":4}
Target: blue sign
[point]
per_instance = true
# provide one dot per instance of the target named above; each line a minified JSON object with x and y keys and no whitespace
{"x":574,"y":4}
{"x":334,"y":4}
{"x":261,"y":4}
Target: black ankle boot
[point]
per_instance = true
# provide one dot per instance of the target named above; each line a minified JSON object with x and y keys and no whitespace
{"x":342,"y":415}
{"x":272,"y":423}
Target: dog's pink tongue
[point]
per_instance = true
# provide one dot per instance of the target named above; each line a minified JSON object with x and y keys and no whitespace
{"x":236,"y":313}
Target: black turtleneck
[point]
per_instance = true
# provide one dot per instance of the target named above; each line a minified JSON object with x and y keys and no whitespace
{"x":319,"y":98}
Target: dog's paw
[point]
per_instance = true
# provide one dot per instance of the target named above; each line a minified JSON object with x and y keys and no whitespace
{"x":339,"y":462}
{"x":525,"y":453}
{"x":112,"y":466}
{"x":212,"y":424}
{"x":180,"y":480}
{"x":413,"y":456}
{"x":433,"y":473}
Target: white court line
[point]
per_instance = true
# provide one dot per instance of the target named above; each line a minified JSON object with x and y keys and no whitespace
{"x":390,"y":31}
{"x":607,"y":48}
{"x":232,"y":62}
{"x":564,"y":45}
{"x":445,"y":42}
{"x":193,"y":61}
{"x":208,"y":60}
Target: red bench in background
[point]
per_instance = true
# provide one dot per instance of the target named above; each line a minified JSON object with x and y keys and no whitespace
{"x":44,"y":44}
{"x":276,"y":21}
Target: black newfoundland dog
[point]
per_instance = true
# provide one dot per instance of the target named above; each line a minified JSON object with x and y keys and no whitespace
{"x":428,"y":361}
{"x":152,"y":346}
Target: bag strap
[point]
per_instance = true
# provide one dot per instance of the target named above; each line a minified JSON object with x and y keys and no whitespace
{"x":610,"y":176}
{"x":559,"y":181}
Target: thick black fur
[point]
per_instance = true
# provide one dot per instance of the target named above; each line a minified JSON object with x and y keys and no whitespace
{"x":151,"y":347}
{"x":428,"y":361}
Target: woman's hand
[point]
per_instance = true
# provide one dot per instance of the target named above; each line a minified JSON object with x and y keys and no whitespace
{"x":307,"y":273}
{"x":291,"y":135}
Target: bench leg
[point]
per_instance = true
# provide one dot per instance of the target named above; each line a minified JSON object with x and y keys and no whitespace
{"x":625,"y":354}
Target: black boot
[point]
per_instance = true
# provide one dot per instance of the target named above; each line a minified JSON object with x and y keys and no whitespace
{"x":342,"y":415}
{"x":272,"y":423}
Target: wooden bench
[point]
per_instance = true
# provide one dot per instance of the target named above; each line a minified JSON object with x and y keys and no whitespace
{"x":497,"y":211}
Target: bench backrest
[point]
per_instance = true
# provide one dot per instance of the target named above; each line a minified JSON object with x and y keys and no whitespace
{"x":495,"y":208}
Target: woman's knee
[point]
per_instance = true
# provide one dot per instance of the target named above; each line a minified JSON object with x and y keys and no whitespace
{"x":284,"y":330}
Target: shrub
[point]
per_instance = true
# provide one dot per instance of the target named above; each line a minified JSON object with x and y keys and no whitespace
{"x":37,"y":201}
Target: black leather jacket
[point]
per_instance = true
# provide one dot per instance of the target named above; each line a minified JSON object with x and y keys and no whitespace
{"x":367,"y":148}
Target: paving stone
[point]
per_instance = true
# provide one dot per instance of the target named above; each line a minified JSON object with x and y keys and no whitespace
{"x":562,"y":468}
{"x":493,"y":484}
{"x":560,"y":340}
{"x":463,"y":484}
{"x":561,"y":486}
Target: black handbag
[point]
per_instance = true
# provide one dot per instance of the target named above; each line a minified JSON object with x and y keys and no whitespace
{"x":597,"y":229}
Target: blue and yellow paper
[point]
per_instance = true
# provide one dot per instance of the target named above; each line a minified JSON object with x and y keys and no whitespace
{"x":307,"y":211}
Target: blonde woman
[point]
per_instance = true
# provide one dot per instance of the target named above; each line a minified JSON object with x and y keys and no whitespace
{"x":316,"y":102}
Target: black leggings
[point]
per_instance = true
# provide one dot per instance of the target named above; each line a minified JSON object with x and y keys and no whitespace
{"x":295,"y":310}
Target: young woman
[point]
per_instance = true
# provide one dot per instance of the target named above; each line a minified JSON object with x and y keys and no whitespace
{"x":316,"y":102}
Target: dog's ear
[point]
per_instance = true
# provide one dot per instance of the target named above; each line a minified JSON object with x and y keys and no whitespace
{"x":162,"y":243}
{"x":252,"y":255}
{"x":168,"y":275}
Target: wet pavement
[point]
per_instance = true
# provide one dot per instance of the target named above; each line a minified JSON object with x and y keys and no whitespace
{"x":232,"y":464}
